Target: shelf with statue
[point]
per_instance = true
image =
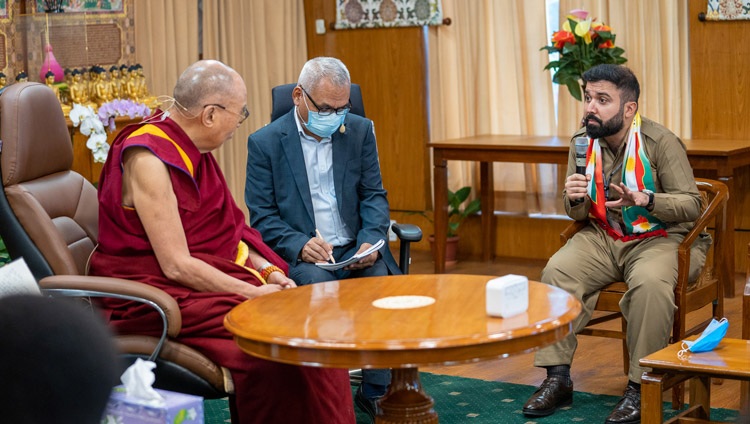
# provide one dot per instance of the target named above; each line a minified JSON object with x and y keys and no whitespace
{"x":96,"y":86}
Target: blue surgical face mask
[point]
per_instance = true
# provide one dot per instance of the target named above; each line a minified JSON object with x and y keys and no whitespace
{"x":322,"y":126}
{"x":708,"y":340}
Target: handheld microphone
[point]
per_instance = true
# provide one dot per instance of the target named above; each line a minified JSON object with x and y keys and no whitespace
{"x":581,"y":146}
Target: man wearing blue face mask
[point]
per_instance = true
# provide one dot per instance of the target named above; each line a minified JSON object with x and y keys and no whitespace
{"x":316,"y":170}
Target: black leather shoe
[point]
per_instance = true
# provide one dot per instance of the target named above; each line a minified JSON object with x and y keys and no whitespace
{"x":628,"y":409}
{"x":552,"y":394}
{"x":368,"y":406}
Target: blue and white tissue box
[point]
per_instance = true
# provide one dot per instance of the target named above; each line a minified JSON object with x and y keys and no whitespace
{"x":178,"y":408}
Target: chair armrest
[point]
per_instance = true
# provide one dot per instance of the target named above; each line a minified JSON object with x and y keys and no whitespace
{"x":407,"y":232}
{"x":92,"y":286}
{"x":571,"y":229}
{"x":714,"y":208}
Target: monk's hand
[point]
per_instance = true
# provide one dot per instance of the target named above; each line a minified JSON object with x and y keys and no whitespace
{"x":252,"y":291}
{"x":576,"y":187}
{"x":280,"y":279}
{"x":316,"y":251}
{"x":365,"y":262}
{"x":628,"y":197}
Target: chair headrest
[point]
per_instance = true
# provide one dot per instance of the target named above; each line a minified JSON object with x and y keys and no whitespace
{"x":281,"y":100}
{"x":34,"y":133}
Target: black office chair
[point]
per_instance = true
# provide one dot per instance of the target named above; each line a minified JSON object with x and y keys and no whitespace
{"x":281,"y":103}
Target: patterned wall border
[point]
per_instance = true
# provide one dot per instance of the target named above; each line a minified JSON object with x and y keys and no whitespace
{"x":121,"y":10}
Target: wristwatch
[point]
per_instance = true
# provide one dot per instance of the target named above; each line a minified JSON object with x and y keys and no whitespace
{"x":650,"y":193}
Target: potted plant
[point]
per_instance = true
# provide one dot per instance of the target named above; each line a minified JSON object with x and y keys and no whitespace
{"x":456,"y":215}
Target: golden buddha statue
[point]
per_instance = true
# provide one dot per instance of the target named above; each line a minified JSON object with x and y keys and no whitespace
{"x":101,"y":93}
{"x":49,"y":80}
{"x":79,"y":91}
{"x":22,"y":77}
{"x":143,"y":94}
{"x":132,"y":85}
{"x":115,"y":82}
{"x":88,"y":77}
{"x":65,"y":88}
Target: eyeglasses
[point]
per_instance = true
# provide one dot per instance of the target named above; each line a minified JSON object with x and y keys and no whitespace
{"x":325,"y":111}
{"x":244,"y":113}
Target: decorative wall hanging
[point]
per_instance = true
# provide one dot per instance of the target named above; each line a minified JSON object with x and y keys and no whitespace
{"x":387,"y":13}
{"x":727,"y":10}
{"x":78,"y":6}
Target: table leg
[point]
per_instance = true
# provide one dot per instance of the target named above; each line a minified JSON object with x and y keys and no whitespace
{"x":406,"y":401}
{"x":700,"y":395}
{"x":745,"y":400}
{"x":729,"y":257}
{"x":441,"y":211}
{"x":651,"y":398}
{"x":487,"y":197}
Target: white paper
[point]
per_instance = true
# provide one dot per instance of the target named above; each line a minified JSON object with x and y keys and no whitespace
{"x":16,"y":278}
{"x":403,"y":302}
{"x":353,"y":259}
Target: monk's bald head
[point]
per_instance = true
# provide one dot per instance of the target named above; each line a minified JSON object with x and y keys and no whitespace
{"x":205,"y":81}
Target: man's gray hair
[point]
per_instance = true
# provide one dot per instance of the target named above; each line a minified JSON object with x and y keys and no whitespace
{"x":204,"y":80}
{"x":320,"y":68}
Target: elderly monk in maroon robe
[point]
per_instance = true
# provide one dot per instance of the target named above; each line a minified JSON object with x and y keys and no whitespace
{"x":166,"y":218}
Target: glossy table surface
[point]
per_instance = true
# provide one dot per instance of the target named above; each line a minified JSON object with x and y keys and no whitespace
{"x":335,"y":324}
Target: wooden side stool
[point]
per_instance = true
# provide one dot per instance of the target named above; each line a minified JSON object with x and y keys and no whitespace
{"x":730,"y":359}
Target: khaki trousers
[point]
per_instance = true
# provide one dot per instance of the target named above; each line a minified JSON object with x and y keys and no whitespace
{"x":591,"y":259}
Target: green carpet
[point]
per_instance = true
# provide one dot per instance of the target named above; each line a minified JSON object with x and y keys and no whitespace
{"x":468,"y":400}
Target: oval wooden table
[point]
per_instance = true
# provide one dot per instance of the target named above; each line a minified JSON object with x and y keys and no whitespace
{"x":336,"y":325}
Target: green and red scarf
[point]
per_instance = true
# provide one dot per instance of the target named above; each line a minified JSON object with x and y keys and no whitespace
{"x":636,"y":174}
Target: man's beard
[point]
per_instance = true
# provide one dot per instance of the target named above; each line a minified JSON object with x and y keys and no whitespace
{"x":604,"y":129}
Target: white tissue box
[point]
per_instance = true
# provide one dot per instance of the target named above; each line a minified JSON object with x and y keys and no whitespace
{"x":179,"y":407}
{"x":507,"y":295}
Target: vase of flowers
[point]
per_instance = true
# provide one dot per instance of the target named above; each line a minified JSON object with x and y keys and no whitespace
{"x":582,"y":43}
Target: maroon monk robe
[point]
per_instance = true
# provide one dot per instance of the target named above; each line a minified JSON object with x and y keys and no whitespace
{"x":265,"y":391}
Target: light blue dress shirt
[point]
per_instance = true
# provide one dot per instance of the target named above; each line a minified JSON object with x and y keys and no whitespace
{"x":319,"y":162}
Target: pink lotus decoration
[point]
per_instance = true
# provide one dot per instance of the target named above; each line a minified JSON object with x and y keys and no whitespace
{"x":50,"y":64}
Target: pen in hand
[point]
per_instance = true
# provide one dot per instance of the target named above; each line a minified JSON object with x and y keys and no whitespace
{"x":330,"y":255}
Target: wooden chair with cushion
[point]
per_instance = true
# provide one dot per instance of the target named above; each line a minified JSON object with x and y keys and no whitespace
{"x":690,"y":296}
{"x":49,"y":216}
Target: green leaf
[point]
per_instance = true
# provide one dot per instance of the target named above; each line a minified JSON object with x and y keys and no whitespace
{"x":575,"y":89}
{"x":453,"y":228}
{"x":473,"y":207}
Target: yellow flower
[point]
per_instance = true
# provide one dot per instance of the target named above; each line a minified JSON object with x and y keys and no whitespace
{"x":582,"y":30}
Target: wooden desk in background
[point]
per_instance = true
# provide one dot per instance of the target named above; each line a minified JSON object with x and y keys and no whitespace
{"x":722,"y":156}
{"x":336,"y":324}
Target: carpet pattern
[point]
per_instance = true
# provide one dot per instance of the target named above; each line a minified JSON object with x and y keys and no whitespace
{"x":468,"y":400}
